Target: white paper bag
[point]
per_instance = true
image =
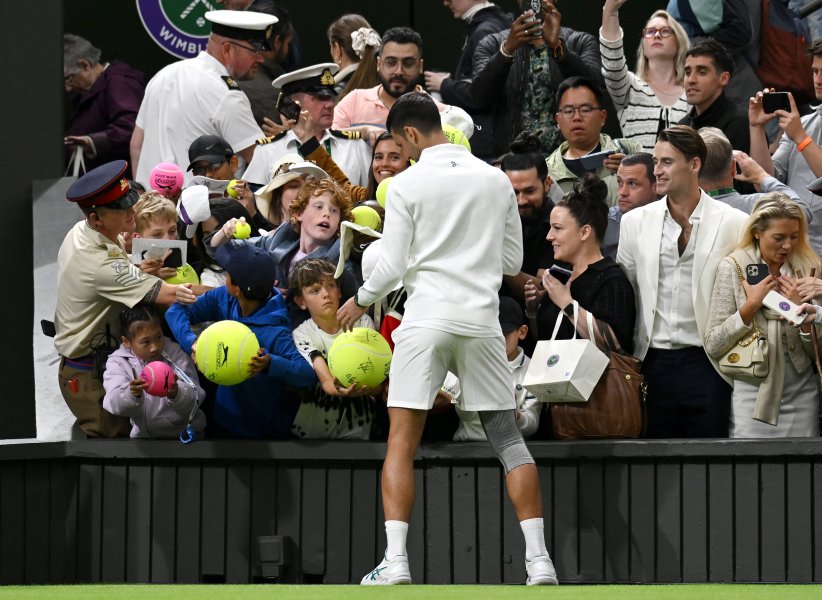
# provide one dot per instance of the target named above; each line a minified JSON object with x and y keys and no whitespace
{"x":565,"y":370}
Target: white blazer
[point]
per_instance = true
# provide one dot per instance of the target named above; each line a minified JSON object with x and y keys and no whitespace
{"x":640,"y":236}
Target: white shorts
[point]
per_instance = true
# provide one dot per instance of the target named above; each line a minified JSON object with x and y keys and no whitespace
{"x":423,"y":356}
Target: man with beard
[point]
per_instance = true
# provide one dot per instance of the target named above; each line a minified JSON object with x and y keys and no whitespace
{"x":526,"y":169}
{"x":170,"y":120}
{"x":313,"y":89}
{"x":399,"y":67}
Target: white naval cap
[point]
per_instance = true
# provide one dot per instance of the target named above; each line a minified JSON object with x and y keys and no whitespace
{"x":247,"y":25}
{"x":316,"y":79}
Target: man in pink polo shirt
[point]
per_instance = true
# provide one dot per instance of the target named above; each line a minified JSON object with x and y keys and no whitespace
{"x":399,"y":67}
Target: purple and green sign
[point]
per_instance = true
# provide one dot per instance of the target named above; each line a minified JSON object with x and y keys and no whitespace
{"x":178,"y":26}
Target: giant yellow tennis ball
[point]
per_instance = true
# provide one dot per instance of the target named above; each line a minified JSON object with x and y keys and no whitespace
{"x":367,"y":217}
{"x":455,"y":136}
{"x":382,"y":190}
{"x":229,"y":189}
{"x":360,"y":356}
{"x":224,"y":352}
{"x":185,"y":274}
{"x":242,"y":230}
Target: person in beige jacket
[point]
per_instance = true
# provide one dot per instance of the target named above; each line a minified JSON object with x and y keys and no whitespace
{"x":786,"y":402}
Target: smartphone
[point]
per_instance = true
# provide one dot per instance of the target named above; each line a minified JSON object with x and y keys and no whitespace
{"x":783,"y":306}
{"x":593,"y":161}
{"x":754,"y":273}
{"x":776,"y":101}
{"x":536,"y":6}
{"x":560,"y":273}
{"x":287,"y":107}
{"x":174,"y":260}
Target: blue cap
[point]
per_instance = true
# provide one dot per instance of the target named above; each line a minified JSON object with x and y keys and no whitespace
{"x":104,"y":187}
{"x":248,"y":265}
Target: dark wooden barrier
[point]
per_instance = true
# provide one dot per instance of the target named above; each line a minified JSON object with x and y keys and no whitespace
{"x":151,"y":511}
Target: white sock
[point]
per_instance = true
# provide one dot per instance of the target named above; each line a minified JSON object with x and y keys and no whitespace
{"x":396,"y":532}
{"x":534,"y":532}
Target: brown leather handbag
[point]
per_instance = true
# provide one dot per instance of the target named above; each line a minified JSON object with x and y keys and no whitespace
{"x":616,"y":407}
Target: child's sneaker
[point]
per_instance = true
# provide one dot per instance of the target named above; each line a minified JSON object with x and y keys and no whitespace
{"x":540,"y":571}
{"x":389,"y":572}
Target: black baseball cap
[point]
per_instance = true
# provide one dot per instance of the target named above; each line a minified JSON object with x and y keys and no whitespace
{"x":511,"y":316}
{"x":211,"y":148}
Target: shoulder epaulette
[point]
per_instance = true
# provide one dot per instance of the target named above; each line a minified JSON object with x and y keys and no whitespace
{"x":346,"y":135}
{"x":229,"y":81}
{"x":273,"y":138}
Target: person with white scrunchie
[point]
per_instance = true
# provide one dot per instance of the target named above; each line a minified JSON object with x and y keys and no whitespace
{"x":353,"y":45}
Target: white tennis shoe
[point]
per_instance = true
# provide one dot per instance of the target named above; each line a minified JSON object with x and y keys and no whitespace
{"x":540,"y":571}
{"x":389,"y":572}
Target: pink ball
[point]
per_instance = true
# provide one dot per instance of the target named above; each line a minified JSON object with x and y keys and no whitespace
{"x":159,"y":376}
{"x":167,"y":179}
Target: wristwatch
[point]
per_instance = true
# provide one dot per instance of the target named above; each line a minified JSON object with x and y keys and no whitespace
{"x":357,"y":300}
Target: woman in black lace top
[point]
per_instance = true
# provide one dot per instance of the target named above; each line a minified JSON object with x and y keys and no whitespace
{"x":578,"y":224}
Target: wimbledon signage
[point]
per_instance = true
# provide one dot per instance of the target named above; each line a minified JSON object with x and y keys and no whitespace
{"x":178,"y":26}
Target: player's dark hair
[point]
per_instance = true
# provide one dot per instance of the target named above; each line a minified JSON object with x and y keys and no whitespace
{"x":414,"y":109}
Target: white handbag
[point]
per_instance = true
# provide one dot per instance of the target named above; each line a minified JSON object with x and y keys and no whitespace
{"x":565,"y":370}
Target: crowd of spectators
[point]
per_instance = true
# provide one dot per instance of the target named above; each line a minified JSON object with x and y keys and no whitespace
{"x":654,"y":224}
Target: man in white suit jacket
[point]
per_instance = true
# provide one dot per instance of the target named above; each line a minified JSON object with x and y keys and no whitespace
{"x":670,"y":251}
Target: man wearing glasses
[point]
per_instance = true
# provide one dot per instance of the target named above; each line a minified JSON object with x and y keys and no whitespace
{"x":581,"y":116}
{"x":200,"y":95}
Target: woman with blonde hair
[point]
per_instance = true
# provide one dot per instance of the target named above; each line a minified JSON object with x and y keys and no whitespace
{"x":652,"y":98}
{"x":785,"y":403}
{"x":353,"y":45}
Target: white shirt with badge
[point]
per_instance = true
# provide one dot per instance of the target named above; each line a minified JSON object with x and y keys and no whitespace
{"x":352,"y":156}
{"x":185,"y":100}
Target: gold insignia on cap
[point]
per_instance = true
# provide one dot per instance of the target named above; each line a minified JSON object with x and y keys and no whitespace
{"x":268,"y":32}
{"x":327,"y":78}
{"x":123,"y":184}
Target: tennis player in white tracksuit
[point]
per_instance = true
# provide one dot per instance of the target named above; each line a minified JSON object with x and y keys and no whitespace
{"x":452,"y":229}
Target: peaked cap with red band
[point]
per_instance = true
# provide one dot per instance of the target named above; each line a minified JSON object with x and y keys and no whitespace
{"x":104,"y":187}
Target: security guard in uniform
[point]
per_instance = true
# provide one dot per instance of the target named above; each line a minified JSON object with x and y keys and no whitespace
{"x":200,"y":95}
{"x":312,"y":88}
{"x":95,"y":280}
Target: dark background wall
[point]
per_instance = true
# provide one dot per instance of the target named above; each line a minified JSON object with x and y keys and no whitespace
{"x":442,"y":34}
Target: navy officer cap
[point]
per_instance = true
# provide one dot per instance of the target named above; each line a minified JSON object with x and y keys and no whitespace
{"x":247,"y":25}
{"x":247,"y":265}
{"x":104,"y":187}
{"x":316,"y":79}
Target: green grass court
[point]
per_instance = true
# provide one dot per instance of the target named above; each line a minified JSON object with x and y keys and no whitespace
{"x":416,"y":592}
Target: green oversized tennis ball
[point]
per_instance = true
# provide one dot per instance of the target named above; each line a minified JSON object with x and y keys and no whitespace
{"x":185,"y":274}
{"x":382,"y":190}
{"x":242,"y":230}
{"x":229,"y":189}
{"x":455,"y":136}
{"x":360,"y":356}
{"x":367,"y":217}
{"x":224,"y":352}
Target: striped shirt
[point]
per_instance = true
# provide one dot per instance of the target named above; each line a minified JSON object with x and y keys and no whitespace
{"x":641,"y":114}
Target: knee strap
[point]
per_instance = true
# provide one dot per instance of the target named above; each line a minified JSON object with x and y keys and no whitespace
{"x":501,"y":429}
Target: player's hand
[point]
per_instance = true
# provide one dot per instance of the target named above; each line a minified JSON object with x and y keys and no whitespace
{"x":348,"y":315}
{"x":259,"y":363}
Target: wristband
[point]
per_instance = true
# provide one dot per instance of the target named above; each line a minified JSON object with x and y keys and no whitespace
{"x":804,"y":144}
{"x":503,"y":52}
{"x":357,"y":301}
